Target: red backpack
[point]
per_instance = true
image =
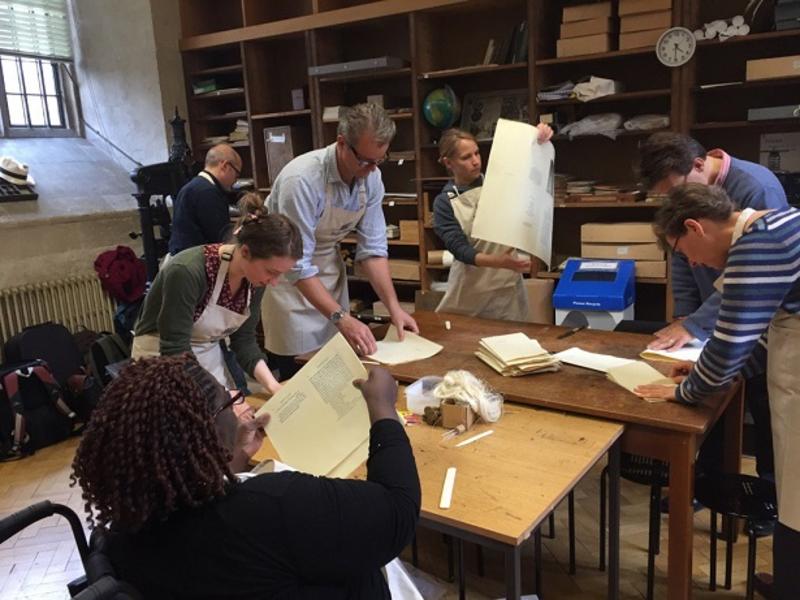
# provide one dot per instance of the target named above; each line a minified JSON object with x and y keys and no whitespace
{"x":122,"y":274}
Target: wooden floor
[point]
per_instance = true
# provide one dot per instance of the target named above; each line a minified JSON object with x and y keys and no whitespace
{"x":37,"y":563}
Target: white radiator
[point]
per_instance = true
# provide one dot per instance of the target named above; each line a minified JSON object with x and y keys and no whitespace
{"x":74,"y":302}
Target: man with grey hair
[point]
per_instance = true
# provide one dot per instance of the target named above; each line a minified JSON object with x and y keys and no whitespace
{"x":330,"y":193}
{"x":200,"y":214}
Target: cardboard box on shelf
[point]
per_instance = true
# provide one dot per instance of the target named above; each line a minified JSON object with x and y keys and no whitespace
{"x":618,"y":233}
{"x":588,"y":27}
{"x":582,"y":12}
{"x":639,"y":39}
{"x":409,"y":230}
{"x":404,"y":269}
{"x":768,"y":68}
{"x":642,"y":22}
{"x":633,"y":7}
{"x":587,"y":44}
{"x":651,"y":268}
{"x":617,"y":250}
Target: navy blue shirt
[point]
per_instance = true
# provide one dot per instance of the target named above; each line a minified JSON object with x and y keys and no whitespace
{"x":748,"y":185}
{"x":200,"y":215}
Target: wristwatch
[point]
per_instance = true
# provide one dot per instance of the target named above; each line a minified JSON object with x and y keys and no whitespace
{"x":337,"y":316}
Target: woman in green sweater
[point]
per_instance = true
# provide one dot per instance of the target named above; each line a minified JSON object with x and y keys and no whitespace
{"x":208,"y":293}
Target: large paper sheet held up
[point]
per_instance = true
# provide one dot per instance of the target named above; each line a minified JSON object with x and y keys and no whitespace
{"x":516,"y":206}
{"x":391,"y":351}
{"x":319,"y":421}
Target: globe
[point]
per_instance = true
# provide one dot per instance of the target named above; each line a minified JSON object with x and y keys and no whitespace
{"x":441,"y":108}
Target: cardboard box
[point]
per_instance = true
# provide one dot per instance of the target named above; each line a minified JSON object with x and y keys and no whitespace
{"x":656,"y":20}
{"x":540,"y":300}
{"x":619,"y":251}
{"x":767,"y":68}
{"x":404,"y":269}
{"x":651,"y":268}
{"x":282,"y":144}
{"x":618,"y":233}
{"x":634,"y":7}
{"x":409,"y":231}
{"x":454,"y":415}
{"x":587,"y":44}
{"x":780,"y":151}
{"x":588,"y":27}
{"x":639,"y":39}
{"x":583,"y":12}
{"x":379,"y":308}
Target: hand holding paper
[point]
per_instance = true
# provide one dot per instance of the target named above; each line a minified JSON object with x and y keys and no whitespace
{"x":643,"y":380}
{"x":392,"y":351}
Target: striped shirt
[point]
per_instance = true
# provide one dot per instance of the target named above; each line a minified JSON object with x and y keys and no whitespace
{"x":762,"y":275}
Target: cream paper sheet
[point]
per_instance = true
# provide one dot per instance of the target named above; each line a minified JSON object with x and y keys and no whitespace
{"x":513,"y":347}
{"x":591,"y":360}
{"x":319,"y":422}
{"x":690,"y":352}
{"x":638,"y":373}
{"x":391,"y":351}
{"x":516,"y":207}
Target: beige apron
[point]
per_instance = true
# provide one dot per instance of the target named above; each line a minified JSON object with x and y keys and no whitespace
{"x":292,"y":325}
{"x":482,"y":291}
{"x":214,"y":325}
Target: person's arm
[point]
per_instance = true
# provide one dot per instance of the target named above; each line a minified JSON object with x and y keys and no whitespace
{"x":182,"y":289}
{"x":340,"y":529}
{"x":685,"y":295}
{"x":245,"y":346}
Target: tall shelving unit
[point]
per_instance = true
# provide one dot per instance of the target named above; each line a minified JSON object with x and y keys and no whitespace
{"x":265,"y":48}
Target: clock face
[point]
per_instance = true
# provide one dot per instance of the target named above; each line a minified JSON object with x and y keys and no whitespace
{"x":675,"y":46}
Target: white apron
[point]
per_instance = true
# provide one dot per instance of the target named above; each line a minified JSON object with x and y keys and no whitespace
{"x":482,"y":291}
{"x":292,"y":325}
{"x":214,"y":325}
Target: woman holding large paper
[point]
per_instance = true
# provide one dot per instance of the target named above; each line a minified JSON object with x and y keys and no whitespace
{"x":208,"y":293}
{"x":486,"y":278}
{"x":154,"y":467}
{"x":757,"y":251}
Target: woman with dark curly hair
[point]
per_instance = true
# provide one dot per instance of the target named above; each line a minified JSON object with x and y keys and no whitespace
{"x":156,"y":466}
{"x":208,"y":293}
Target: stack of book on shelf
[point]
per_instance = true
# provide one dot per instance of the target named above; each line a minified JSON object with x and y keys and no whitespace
{"x":510,"y":49}
{"x":241,"y":133}
{"x":516,"y":354}
{"x":213,"y":140}
{"x":641,"y":22}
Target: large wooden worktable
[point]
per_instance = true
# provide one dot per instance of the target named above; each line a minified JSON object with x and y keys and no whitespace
{"x":665,"y":431}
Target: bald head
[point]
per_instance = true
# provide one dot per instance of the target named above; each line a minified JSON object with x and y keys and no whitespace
{"x":224,"y":163}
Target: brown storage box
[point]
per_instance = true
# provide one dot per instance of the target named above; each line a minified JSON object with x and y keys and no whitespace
{"x":651,"y":268}
{"x":540,"y":300}
{"x":583,"y":12}
{"x":282,"y":145}
{"x":618,"y":233}
{"x":587,"y":44}
{"x":409,"y":231}
{"x":639,"y":39}
{"x":633,"y":7}
{"x":588,"y":27}
{"x":767,"y":68}
{"x":656,"y":20}
{"x":454,"y":415}
{"x":404,"y":269}
{"x":623,"y":251}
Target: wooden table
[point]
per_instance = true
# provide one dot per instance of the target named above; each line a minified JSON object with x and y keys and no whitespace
{"x":665,"y":431}
{"x":509,"y":482}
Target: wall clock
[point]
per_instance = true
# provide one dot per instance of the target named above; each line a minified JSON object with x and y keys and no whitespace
{"x":675,"y":46}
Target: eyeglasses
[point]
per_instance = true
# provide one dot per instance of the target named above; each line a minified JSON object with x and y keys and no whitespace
{"x":367,"y":162}
{"x":238,"y":171}
{"x":237,"y":398}
{"x":675,"y":244}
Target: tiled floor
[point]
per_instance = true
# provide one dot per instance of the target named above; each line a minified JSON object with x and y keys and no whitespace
{"x":37,"y":563}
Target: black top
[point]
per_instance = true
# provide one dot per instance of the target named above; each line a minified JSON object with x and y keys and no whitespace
{"x":285,"y":535}
{"x":447,"y":226}
{"x":200,"y":215}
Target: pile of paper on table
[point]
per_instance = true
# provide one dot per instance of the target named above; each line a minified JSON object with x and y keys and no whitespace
{"x":516,"y":354}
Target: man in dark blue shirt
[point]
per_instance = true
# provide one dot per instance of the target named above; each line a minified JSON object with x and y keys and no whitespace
{"x":200,"y":214}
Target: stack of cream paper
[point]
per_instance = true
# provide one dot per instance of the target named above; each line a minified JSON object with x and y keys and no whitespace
{"x":637,"y":373}
{"x":690,"y":352}
{"x":391,"y":351}
{"x":516,"y":354}
{"x":319,"y":421}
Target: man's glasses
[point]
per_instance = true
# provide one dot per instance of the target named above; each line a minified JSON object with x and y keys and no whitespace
{"x":675,"y":245}
{"x":237,"y":398}
{"x":238,"y":171}
{"x":367,"y":162}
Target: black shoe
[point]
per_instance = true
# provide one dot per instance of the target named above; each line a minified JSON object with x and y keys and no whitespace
{"x":696,"y":506}
{"x":762,"y":583}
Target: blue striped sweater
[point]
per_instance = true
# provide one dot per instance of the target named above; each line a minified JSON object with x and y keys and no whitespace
{"x":762,"y":275}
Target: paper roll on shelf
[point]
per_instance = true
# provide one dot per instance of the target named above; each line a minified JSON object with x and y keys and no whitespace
{"x":440,"y":257}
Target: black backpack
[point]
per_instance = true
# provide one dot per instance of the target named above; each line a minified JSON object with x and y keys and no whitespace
{"x":107,"y":352}
{"x":33,"y":413}
{"x":56,"y":346}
